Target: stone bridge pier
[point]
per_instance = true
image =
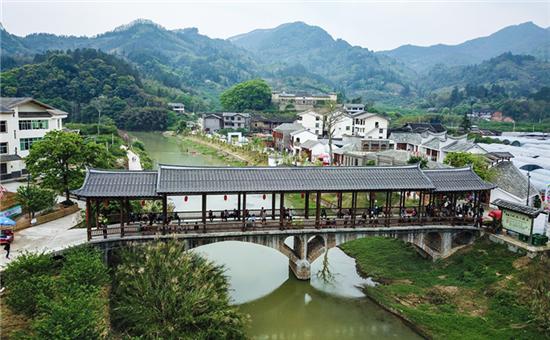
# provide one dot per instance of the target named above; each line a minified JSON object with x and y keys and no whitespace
{"x":303,"y":247}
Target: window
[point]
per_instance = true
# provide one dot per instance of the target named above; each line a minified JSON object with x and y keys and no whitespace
{"x":376,"y":124}
{"x":3,"y":126}
{"x":347,"y":128}
{"x":3,"y":168}
{"x":25,"y":125}
{"x":381,"y":130}
{"x":317,"y":118}
{"x":316,"y":125}
{"x":26,"y":143}
{"x":39,"y":124}
{"x":3,"y":148}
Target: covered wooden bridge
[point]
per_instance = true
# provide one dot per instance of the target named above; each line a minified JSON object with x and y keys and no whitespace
{"x":321,"y":197}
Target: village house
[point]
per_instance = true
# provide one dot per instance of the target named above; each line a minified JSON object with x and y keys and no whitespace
{"x":362,"y":124}
{"x":282,"y":138}
{"x":301,"y":101}
{"x":266,"y":124}
{"x":298,"y":137}
{"x":177,"y":107}
{"x":213,"y":122}
{"x":23,"y":121}
{"x":354,"y":108}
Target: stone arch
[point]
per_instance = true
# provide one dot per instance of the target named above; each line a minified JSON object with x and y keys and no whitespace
{"x":316,"y":246}
{"x":433,"y":241}
{"x":462,"y":238}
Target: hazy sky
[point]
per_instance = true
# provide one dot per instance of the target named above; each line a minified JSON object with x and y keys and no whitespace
{"x":377,"y":25}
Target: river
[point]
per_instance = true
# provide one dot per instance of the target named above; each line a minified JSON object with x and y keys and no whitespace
{"x":280,"y":306}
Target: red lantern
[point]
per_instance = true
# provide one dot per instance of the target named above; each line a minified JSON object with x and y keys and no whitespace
{"x":303,"y":195}
{"x":142,"y":203}
{"x":225,"y":197}
{"x":185,"y":198}
{"x":105,"y":204}
{"x":263,"y":196}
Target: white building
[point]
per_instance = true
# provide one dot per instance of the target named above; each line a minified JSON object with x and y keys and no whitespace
{"x":23,"y":121}
{"x":300,"y":136}
{"x":177,"y":107}
{"x":363,"y":124}
{"x":354,"y":108}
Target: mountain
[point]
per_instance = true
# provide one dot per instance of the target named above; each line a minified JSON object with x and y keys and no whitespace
{"x":355,"y":70}
{"x":518,"y":75}
{"x":526,"y":38}
{"x":180,"y":58}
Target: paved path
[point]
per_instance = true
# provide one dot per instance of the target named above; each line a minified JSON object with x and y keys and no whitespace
{"x":134,"y":162}
{"x":51,"y":236}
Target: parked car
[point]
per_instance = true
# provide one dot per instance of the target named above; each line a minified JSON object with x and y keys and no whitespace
{"x":6,"y":236}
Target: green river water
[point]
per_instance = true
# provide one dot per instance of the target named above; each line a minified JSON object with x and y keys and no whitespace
{"x":280,"y":306}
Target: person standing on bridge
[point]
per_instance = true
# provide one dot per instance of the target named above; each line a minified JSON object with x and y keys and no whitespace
{"x":263,"y":216}
{"x":210,"y":215}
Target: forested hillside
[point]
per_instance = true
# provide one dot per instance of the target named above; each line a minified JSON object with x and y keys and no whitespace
{"x":86,"y":81}
{"x":185,"y":66}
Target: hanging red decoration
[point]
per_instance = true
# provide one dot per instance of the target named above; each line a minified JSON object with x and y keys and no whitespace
{"x":263,"y":196}
{"x":142,"y":203}
{"x":303,"y":195}
{"x":225,"y":197}
{"x":105,"y":204}
{"x":185,"y":198}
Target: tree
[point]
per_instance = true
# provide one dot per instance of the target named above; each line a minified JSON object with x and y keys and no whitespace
{"x":59,"y":159}
{"x":161,"y":291}
{"x":418,"y":159}
{"x":99,"y":103}
{"x":465,"y":124}
{"x":332,"y":114}
{"x":249,"y":95}
{"x":34,"y":199}
{"x":479,"y":164}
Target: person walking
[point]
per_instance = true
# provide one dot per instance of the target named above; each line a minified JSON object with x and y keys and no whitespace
{"x":7,"y":249}
{"x":263,"y":216}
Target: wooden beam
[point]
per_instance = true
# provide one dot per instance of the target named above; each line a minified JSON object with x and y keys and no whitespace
{"x":204,"y":212}
{"x":273,"y":205}
{"x":244,"y":210}
{"x":282,"y":210}
{"x":353,"y":207}
{"x":122,"y":218}
{"x":318,"y":209}
{"x":239,"y":203}
{"x":306,"y":207}
{"x":88,"y":218}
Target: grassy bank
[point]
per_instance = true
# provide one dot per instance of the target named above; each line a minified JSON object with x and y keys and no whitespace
{"x":481,"y":292}
{"x":248,"y":153}
{"x":203,"y":148}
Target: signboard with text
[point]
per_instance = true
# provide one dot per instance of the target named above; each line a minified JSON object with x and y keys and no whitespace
{"x":517,"y":222}
{"x":16,"y":210}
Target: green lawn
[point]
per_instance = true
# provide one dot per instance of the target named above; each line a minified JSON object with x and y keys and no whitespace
{"x":478,"y":293}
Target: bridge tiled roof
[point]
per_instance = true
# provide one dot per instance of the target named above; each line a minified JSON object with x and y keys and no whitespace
{"x":222,"y":180}
{"x":118,"y":183}
{"x":457,"y":179}
{"x":176,"y":179}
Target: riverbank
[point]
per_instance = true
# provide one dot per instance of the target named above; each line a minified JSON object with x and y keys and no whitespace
{"x":483,"y":291}
{"x":238,"y":153}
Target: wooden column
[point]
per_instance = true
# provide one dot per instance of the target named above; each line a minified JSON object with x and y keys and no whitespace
{"x":122,"y":218}
{"x":282,"y":210}
{"x":353,"y":207}
{"x":244,"y":210}
{"x":388,"y":207}
{"x":273,"y":199}
{"x":339,"y":200}
{"x":204,"y":212}
{"x":239,"y":203}
{"x":164,"y":211}
{"x":88,"y":218}
{"x":420,"y":201}
{"x":318,"y":209}
{"x":306,"y":206}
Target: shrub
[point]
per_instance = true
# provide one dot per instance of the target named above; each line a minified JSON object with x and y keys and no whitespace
{"x":161,"y":291}
{"x":83,"y":266}
{"x":78,"y":315}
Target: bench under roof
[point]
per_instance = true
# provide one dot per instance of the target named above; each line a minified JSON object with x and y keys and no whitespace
{"x":183,"y":180}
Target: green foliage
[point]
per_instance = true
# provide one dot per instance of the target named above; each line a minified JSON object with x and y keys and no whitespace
{"x":538,"y":281}
{"x":34,"y":199}
{"x":465,"y":124}
{"x":475,"y":293}
{"x":60,"y":158}
{"x":27,"y":279}
{"x":146,"y":119}
{"x":418,"y":159}
{"x":196,"y":307}
{"x":63,"y":298}
{"x":249,"y":95}
{"x":479,"y":163}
